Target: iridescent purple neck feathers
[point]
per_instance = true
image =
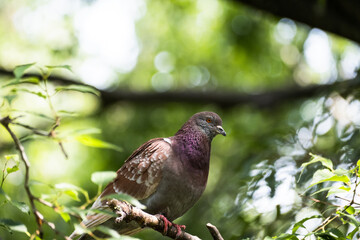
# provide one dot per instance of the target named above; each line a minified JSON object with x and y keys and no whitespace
{"x":193,"y":140}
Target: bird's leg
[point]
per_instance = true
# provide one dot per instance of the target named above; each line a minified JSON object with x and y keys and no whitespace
{"x":168,"y":224}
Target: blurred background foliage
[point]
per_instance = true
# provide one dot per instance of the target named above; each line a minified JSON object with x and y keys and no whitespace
{"x":202,"y":46}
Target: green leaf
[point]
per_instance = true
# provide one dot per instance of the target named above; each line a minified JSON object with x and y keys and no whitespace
{"x":10,"y":98}
{"x":30,"y":80}
{"x":40,"y":94}
{"x":109,"y":231}
{"x":20,"y":228}
{"x":341,"y":171}
{"x":66,"y":186}
{"x":325,"y":236}
{"x":13,"y":157}
{"x":336,"y":233}
{"x":352,"y":233}
{"x":21,"y":206}
{"x":11,"y":225}
{"x":102,"y":178}
{"x":73,"y":194}
{"x":12,"y":169}
{"x":7,"y":197}
{"x":64,"y":113}
{"x":301,"y":223}
{"x":20,"y":70}
{"x":337,"y":190}
{"x":65,"y":216}
{"x":67,"y":67}
{"x":325,"y":175}
{"x":78,"y":88}
{"x":315,"y":158}
{"x":350,"y":210}
{"x":352,"y":219}
{"x":97,"y":143}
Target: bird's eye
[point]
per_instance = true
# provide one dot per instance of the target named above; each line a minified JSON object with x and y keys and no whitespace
{"x":208,"y":120}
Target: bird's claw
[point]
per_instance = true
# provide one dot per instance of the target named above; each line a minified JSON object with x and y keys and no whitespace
{"x":168,"y":224}
{"x":179,"y":229}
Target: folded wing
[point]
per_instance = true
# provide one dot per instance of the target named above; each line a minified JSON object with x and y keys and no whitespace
{"x":138,"y":177}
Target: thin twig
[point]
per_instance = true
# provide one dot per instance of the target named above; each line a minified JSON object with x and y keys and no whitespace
{"x":326,"y":222}
{"x":51,"y":133}
{"x":354,"y":194}
{"x":38,"y":216}
{"x":346,"y":200}
{"x":34,"y":130}
{"x":318,"y":201}
{"x":45,"y":203}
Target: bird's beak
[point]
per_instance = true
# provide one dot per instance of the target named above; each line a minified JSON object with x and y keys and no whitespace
{"x":220,"y":130}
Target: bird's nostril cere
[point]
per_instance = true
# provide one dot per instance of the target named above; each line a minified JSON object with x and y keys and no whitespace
{"x":221,"y":130}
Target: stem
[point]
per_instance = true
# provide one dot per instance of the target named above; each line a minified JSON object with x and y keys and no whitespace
{"x":49,"y":100}
{"x":4,"y":174}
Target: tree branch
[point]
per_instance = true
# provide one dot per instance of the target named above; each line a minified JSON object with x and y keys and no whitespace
{"x":339,"y":17}
{"x":214,"y":232}
{"x":223,"y":99}
{"x":38,"y":216}
{"x":127,"y":212}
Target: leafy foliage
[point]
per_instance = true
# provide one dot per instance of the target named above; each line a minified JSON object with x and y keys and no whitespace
{"x":345,"y":213}
{"x":12,"y":162}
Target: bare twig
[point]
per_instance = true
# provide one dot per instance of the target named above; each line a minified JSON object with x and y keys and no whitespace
{"x":354,"y":194}
{"x":214,"y":232}
{"x":38,"y":216}
{"x":51,"y":133}
{"x":326,"y":222}
{"x":34,"y":130}
{"x":318,"y":201}
{"x":346,"y":200}
{"x":45,"y":203}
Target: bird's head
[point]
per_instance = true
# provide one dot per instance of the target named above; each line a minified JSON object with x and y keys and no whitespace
{"x":209,"y":122}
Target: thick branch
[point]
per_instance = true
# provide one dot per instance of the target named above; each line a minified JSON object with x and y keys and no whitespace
{"x":127,"y":212}
{"x":223,"y":99}
{"x":339,"y":17}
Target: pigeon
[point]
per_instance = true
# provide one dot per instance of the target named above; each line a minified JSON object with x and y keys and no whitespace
{"x":167,"y":175}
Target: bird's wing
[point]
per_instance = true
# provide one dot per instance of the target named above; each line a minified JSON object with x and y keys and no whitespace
{"x":138,"y":177}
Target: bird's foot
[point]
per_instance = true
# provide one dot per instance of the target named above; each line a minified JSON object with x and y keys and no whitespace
{"x":179,"y":229}
{"x":168,"y":224}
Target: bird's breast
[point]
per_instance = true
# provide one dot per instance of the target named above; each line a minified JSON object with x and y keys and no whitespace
{"x":177,"y":192}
